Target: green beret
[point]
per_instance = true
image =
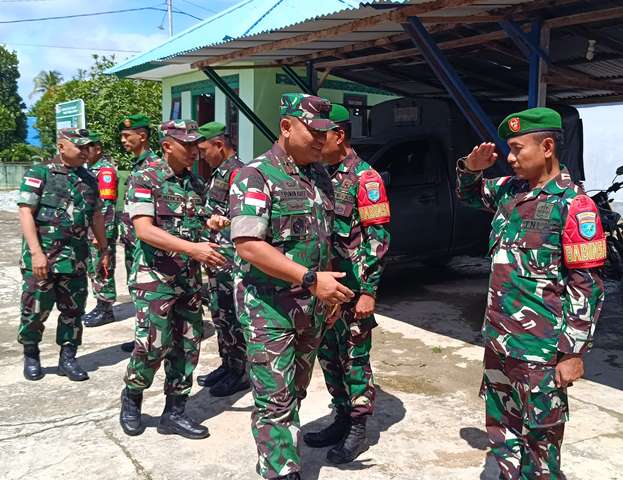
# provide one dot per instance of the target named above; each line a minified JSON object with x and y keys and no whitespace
{"x":211,"y":130}
{"x":131,"y":122}
{"x":95,"y":137}
{"x":539,"y":119}
{"x":339,"y":113}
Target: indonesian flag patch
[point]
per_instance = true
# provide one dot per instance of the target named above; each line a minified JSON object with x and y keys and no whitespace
{"x":32,"y":182}
{"x":142,"y":193}
{"x":255,"y":199}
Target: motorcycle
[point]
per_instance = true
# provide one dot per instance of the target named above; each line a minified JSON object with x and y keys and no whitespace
{"x":611,"y":222}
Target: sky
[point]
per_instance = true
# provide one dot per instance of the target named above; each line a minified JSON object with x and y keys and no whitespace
{"x":36,"y":42}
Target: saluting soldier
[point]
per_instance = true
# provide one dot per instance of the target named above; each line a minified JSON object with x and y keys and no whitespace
{"x":282,"y":221}
{"x":545,"y":294}
{"x":135,"y":132}
{"x":58,"y":202}
{"x":166,"y":203}
{"x":103,"y":282}
{"x":220,"y":154}
{"x":360,"y":242}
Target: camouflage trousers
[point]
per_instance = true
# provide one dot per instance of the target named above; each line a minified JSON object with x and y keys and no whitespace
{"x":104,"y":288}
{"x":282,"y":334}
{"x":128,"y":251}
{"x":231,"y":344}
{"x":344,"y":356}
{"x":168,"y":327}
{"x":68,"y":292}
{"x":525,"y":417}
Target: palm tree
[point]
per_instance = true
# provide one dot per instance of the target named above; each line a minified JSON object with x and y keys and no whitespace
{"x":45,"y":81}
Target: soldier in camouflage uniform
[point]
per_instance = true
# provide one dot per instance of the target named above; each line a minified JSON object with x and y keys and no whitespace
{"x":544,"y":293}
{"x":58,"y":203}
{"x":282,"y":220}
{"x":217,"y":150}
{"x":166,"y":204}
{"x":104,"y":171}
{"x":135,"y":132}
{"x":360,"y":241}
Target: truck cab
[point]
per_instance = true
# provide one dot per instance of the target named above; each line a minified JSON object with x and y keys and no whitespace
{"x":414,"y":144}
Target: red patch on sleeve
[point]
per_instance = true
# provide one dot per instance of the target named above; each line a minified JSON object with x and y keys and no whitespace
{"x":232,"y":177}
{"x":583,"y":238}
{"x":107,"y":181}
{"x":372,"y":200}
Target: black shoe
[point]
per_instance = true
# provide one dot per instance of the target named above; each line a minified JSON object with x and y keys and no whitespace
{"x":353,"y":445}
{"x":331,"y":435}
{"x":231,"y":383}
{"x":68,"y":365}
{"x":290,"y":476}
{"x":100,"y":315}
{"x":32,"y":365}
{"x":174,"y":420}
{"x":128,"y":346}
{"x":130,"y":415}
{"x":213,"y":377}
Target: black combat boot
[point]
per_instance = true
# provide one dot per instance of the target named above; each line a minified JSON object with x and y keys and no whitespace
{"x":174,"y":420}
{"x":32,"y":365}
{"x":353,"y":445}
{"x":100,"y":315}
{"x":331,"y":435}
{"x":127,"y":346}
{"x":213,"y":377}
{"x":290,"y":476}
{"x":68,"y":365}
{"x":231,"y":383}
{"x":130,"y":415}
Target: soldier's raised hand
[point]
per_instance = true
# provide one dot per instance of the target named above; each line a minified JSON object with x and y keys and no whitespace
{"x":329,"y":290}
{"x":481,"y":157}
{"x":205,"y":252}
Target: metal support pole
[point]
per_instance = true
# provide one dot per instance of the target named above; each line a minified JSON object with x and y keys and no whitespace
{"x":236,"y":100}
{"x":298,"y":81}
{"x":466,"y":102}
{"x":170,"y":14}
{"x":312,"y":77}
{"x":533,"y":76}
{"x":543,"y":68}
{"x":526,"y":43}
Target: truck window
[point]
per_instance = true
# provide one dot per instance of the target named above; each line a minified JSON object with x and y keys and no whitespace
{"x":411,"y":163}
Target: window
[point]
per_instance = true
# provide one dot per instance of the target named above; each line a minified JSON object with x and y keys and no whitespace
{"x":176,"y":108}
{"x":412,"y":163}
{"x":232,"y":120}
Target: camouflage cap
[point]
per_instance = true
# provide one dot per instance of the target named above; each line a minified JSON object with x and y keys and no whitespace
{"x":540,"y":119}
{"x":212,"y":129}
{"x":131,"y":122}
{"x":77,"y":136}
{"x":95,"y":137}
{"x":185,"y":131}
{"x":311,"y":110}
{"x":339,"y":113}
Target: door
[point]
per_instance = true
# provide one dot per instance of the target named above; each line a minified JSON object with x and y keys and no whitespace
{"x":419,"y":197}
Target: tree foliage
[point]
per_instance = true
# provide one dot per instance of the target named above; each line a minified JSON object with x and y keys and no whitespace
{"x":23,"y":153}
{"x":107,"y":99}
{"x":12,"y":117}
{"x":45,"y":81}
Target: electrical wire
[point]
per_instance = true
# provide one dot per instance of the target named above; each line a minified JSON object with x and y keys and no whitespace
{"x":67,"y":47}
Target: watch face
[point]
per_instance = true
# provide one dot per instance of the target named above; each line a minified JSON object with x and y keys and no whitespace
{"x":309,"y":278}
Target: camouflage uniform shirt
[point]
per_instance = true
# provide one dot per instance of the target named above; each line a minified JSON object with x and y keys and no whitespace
{"x":64,"y":200}
{"x":218,"y":202}
{"x":289,"y":207}
{"x":536,"y":305}
{"x":359,"y":249}
{"x":177,"y":204}
{"x":126,"y":229}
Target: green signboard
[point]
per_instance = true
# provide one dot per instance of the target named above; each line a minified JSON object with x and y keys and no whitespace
{"x":70,"y":114}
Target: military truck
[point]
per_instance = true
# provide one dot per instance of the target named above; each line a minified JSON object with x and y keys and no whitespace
{"x":414,"y":144}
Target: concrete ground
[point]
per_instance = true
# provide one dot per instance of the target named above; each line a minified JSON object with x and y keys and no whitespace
{"x":428,"y":423}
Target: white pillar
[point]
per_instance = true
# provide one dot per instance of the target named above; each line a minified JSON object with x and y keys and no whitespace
{"x":187,"y":108}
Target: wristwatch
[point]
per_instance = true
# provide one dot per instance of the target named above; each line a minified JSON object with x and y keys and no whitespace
{"x":309,"y":279}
